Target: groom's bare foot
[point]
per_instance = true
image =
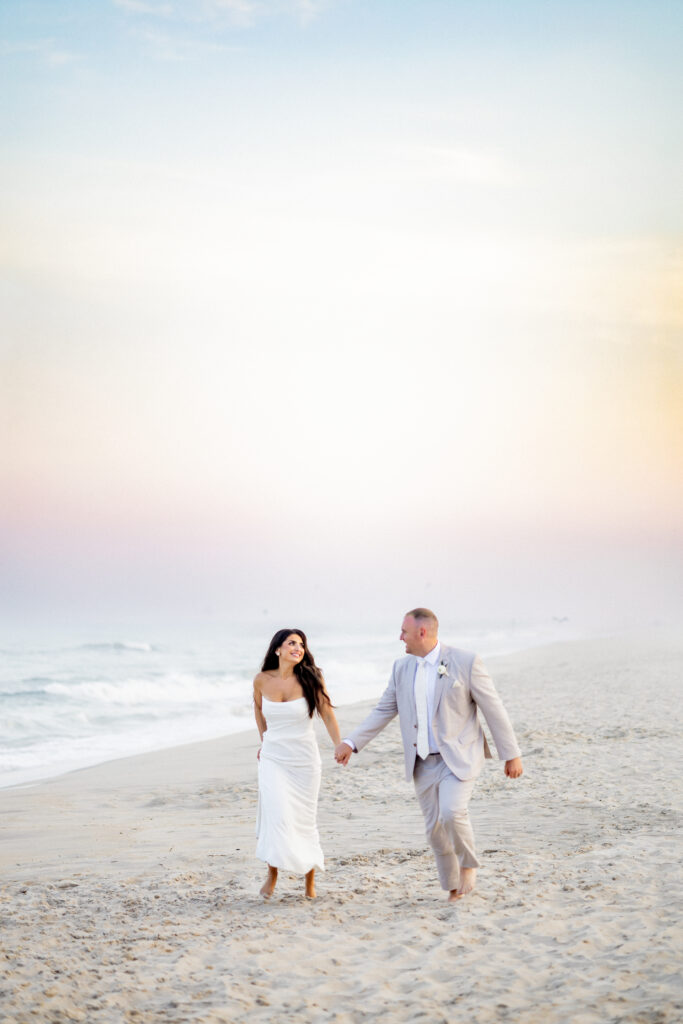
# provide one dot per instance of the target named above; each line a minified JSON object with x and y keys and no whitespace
{"x":468,"y":880}
{"x":268,"y":886}
{"x":310,"y":884}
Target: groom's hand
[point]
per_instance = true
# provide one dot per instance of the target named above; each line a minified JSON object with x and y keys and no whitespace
{"x":513,"y":768}
{"x":342,"y":753}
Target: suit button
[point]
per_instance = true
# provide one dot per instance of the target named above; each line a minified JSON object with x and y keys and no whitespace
{"x":414,"y":744}
{"x":416,"y":727}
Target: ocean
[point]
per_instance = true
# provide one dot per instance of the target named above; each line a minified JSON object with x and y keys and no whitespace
{"x":74,"y":697}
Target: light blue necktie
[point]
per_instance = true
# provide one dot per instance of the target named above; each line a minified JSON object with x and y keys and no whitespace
{"x":422,"y":712}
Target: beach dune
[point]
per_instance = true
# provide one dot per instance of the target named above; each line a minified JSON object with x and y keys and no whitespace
{"x":129,"y":891}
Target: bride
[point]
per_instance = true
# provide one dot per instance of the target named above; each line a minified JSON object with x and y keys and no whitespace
{"x":288,"y":691}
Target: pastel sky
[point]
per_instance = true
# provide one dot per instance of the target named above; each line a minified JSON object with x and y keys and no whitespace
{"x":319,"y":305}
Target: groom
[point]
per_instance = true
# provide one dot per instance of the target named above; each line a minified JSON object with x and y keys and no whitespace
{"x":436,"y":692}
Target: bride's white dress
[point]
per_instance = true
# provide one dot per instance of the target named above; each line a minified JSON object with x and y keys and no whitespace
{"x":289,"y":783}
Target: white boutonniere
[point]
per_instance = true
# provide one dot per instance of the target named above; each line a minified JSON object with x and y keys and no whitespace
{"x":442,"y":670}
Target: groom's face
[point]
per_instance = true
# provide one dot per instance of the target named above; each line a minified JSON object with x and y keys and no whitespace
{"x":412,"y":635}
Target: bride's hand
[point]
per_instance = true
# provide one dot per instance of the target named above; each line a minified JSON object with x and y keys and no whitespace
{"x":342,"y":753}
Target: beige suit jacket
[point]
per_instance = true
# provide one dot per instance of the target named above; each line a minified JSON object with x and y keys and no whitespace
{"x":461,"y":689}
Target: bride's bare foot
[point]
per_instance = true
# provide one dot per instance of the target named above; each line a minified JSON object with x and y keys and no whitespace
{"x":310,"y":884}
{"x":268,"y":886}
{"x":468,"y":880}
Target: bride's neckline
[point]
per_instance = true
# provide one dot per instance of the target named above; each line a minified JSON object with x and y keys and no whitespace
{"x":292,"y":701}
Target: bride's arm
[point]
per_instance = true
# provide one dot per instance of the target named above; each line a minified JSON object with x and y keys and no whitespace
{"x":330,"y":719}
{"x":261,"y":724}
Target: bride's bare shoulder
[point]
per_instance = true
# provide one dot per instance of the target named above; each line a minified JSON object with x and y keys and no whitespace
{"x":260,"y":678}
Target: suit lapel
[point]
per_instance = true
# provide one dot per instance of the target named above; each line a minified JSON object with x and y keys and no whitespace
{"x":442,"y":681}
{"x":408,"y":681}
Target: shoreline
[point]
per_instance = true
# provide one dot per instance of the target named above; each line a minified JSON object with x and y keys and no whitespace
{"x":129,"y":890}
{"x":59,"y":772}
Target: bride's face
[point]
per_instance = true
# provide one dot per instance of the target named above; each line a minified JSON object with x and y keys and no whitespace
{"x":292,"y":650}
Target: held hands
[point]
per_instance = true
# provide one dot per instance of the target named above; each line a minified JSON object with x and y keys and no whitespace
{"x":342,"y":753}
{"x":513,"y":768}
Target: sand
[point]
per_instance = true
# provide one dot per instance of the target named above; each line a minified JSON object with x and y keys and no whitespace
{"x":129,"y":891}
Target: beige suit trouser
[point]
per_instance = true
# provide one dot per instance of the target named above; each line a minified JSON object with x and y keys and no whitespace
{"x":444,"y":800}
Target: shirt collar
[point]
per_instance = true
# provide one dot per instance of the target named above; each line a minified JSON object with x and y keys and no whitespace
{"x":433,"y":656}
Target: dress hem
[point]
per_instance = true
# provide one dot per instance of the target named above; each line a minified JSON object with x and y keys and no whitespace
{"x":292,"y":871}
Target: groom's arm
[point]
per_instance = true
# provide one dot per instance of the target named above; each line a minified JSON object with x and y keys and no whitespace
{"x":487,"y":698}
{"x":380,"y":716}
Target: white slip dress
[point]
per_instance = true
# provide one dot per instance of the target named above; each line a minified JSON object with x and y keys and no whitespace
{"x":289,"y":782}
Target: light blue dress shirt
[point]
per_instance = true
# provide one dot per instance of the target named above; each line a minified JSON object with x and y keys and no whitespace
{"x":431,"y":662}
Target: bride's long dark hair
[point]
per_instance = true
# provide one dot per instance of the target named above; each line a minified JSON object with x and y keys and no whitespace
{"x":307,"y":672}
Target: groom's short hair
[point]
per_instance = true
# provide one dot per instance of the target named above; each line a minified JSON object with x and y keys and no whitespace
{"x":425,"y":615}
